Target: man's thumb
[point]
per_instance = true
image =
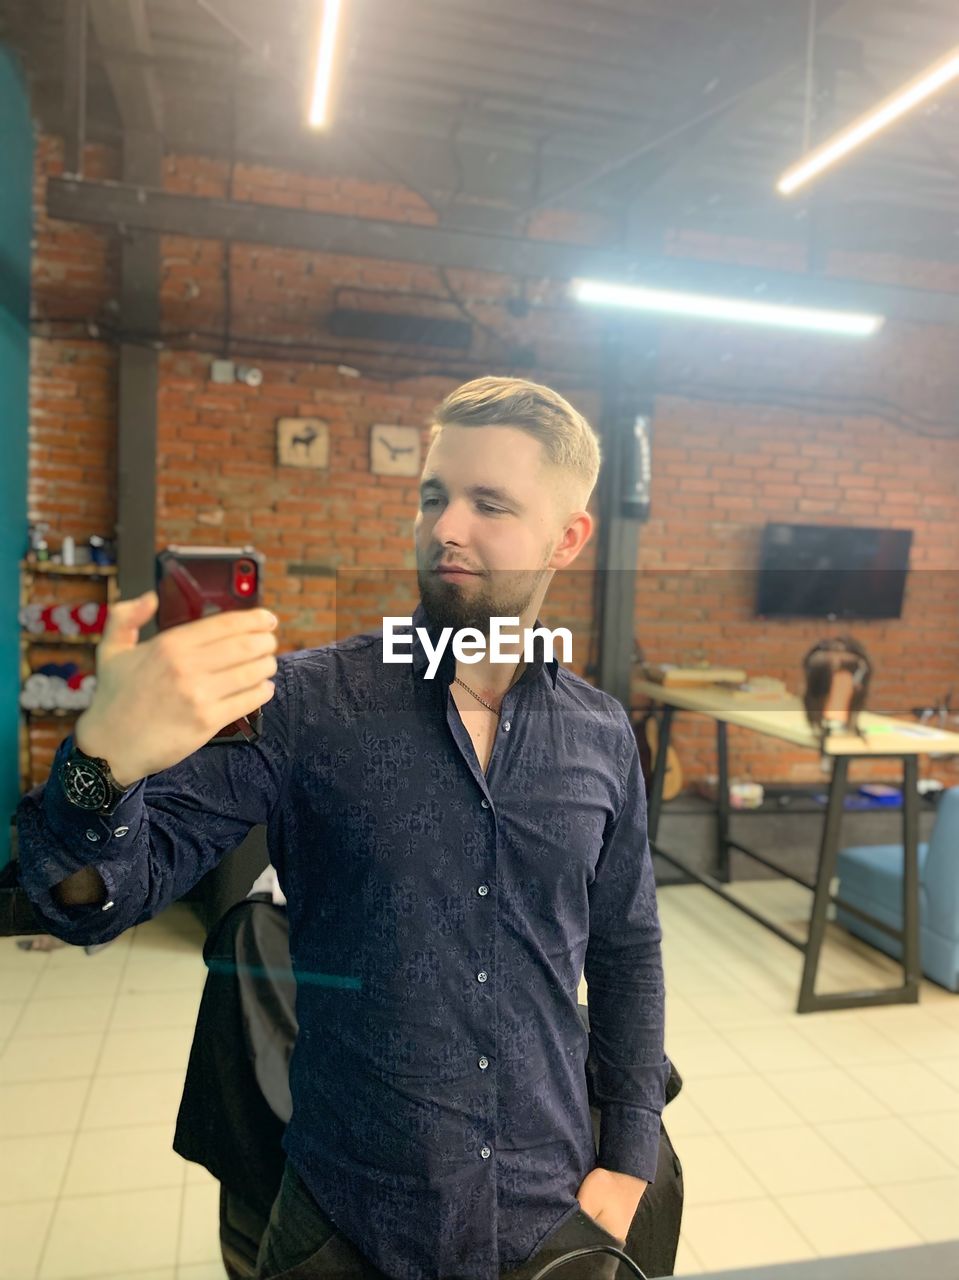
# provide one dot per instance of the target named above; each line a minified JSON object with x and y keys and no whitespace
{"x":126,"y":617}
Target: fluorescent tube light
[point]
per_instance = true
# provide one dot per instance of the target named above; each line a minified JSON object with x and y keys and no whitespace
{"x":323,"y":76}
{"x":737,"y":310}
{"x":867,"y":126}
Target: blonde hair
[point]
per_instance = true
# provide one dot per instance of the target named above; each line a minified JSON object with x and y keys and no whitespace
{"x":567,"y":438}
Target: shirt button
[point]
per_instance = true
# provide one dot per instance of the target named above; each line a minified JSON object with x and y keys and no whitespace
{"x":485,"y":1153}
{"x":483,"y":1063}
{"x":484,"y":803}
{"x":506,"y":726}
{"x":483,"y":890}
{"x":92,"y":835}
{"x":482,"y":976}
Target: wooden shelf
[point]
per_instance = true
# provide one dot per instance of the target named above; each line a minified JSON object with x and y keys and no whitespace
{"x":55,"y":713}
{"x":45,"y":568}
{"x":103,"y":580}
{"x":60,"y":642}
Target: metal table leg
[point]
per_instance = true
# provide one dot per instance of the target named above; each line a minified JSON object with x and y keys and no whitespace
{"x":911,"y":962}
{"x":908,"y":993}
{"x":722,"y":803}
{"x":828,"y":850}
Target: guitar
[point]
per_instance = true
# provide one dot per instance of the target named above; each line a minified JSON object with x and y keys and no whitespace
{"x":646,"y":729}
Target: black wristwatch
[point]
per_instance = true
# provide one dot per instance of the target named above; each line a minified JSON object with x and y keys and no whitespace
{"x":88,"y":783}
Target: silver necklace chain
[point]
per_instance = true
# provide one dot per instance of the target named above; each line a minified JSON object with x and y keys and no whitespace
{"x":487,"y":705}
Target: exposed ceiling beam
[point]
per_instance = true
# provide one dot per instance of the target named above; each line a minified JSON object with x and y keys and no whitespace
{"x":122,"y":24}
{"x":482,"y":69}
{"x":282,"y":70}
{"x":729,"y":196}
{"x":583,"y":21}
{"x":724,"y":72}
{"x":141,"y":208}
{"x":493,"y":29}
{"x":946,"y":158}
{"x":861,"y":224}
{"x":782,"y":57}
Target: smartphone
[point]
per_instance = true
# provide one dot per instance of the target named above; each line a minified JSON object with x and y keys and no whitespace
{"x":195,"y":582}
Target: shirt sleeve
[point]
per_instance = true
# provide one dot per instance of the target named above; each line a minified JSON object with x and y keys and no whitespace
{"x":167,"y":832}
{"x":626,"y":993}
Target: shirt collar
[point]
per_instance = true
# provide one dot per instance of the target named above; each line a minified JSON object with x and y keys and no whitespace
{"x":447,"y":667}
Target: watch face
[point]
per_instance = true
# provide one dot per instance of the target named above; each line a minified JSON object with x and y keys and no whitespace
{"x":84,"y":786}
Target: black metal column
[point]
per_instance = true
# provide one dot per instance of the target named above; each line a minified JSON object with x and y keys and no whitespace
{"x":75,"y":31}
{"x":630,"y":355}
{"x":122,"y":29}
{"x":618,"y":538}
{"x":138,"y":381}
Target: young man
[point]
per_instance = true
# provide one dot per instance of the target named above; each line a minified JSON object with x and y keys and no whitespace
{"x":454,"y":851}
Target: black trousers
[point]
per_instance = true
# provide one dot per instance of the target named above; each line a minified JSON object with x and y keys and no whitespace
{"x":300,"y":1243}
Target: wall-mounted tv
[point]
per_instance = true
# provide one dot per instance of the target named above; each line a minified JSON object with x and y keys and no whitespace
{"x":832,"y":571}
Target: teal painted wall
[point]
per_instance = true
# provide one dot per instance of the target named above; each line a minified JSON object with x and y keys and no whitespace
{"x":16,"y":177}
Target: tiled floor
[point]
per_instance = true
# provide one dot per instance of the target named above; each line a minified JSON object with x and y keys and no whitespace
{"x":95,"y":1049}
{"x":827,"y":1134}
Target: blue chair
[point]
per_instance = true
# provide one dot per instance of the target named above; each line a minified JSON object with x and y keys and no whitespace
{"x":870,"y":877}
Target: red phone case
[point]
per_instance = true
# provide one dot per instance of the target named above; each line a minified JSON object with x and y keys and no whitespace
{"x":195,"y":582}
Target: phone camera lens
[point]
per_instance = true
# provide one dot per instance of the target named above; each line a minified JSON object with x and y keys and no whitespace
{"x":244,"y":578}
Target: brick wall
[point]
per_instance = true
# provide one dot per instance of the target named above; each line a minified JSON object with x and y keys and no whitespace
{"x":722,"y":465}
{"x":73,"y":379}
{"x":72,"y":446}
{"x":722,"y":471}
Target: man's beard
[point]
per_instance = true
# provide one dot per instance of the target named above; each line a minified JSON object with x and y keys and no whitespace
{"x":448,"y":605}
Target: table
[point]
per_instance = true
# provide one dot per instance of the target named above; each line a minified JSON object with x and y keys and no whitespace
{"x":784,"y":718}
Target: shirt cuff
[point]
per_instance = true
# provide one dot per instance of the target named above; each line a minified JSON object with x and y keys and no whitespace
{"x":77,"y":924}
{"x":64,"y":839}
{"x":86,"y":838}
{"x":629,"y":1140}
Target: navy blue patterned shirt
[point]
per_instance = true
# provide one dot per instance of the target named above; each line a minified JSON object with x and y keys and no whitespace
{"x":440,"y":921}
